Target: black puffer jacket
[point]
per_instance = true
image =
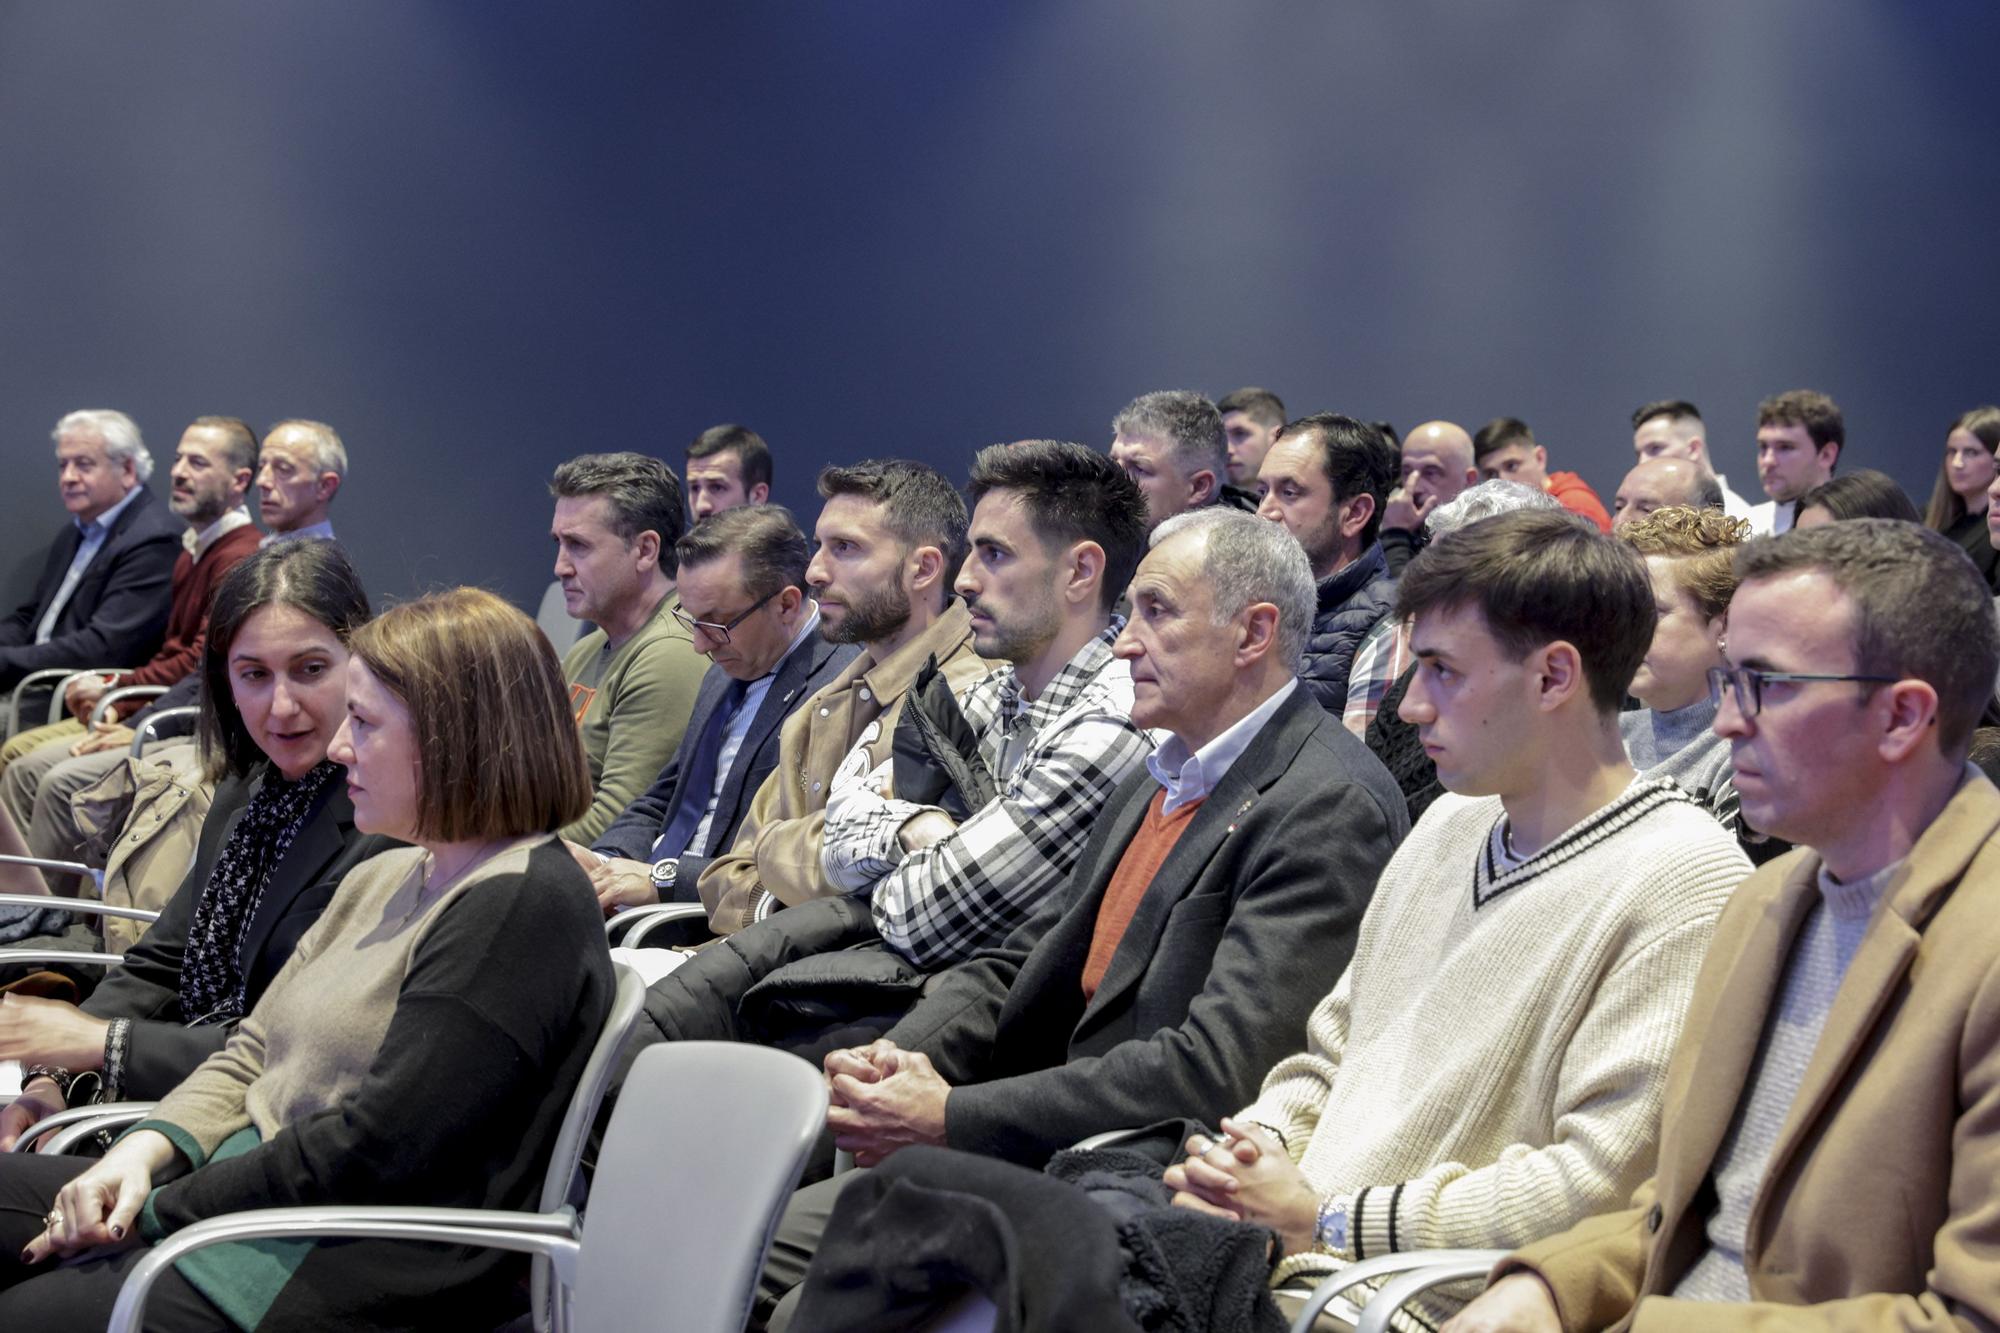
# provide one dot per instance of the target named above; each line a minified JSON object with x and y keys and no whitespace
{"x":1351,"y":603}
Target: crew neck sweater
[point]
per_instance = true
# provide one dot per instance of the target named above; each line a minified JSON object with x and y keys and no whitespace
{"x":1819,"y":958}
{"x":1490,"y":1067}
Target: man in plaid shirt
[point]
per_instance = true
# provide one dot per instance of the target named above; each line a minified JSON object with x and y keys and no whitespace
{"x":1056,"y":532}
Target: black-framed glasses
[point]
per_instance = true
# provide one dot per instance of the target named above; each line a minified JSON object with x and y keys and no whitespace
{"x":1747,"y":684}
{"x":720,"y":633}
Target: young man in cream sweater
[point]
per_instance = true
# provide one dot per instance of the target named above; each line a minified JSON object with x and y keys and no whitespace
{"x":1491,"y":1065}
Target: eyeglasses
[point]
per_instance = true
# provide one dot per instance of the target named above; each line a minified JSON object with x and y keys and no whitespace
{"x":720,"y":633}
{"x":1747,"y":684}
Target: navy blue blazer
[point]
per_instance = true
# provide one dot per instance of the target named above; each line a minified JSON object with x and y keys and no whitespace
{"x":118,"y":614}
{"x":810,"y":666}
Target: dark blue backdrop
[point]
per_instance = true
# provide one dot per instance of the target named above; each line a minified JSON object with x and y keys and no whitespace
{"x":480,"y":237}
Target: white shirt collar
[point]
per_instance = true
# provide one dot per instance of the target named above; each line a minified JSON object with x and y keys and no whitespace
{"x":197,"y":543}
{"x":1191,"y":777}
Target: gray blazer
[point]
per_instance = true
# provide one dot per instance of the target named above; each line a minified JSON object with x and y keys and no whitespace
{"x":1246,"y":926}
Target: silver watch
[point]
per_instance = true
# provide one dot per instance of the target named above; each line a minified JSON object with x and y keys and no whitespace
{"x":1330,"y":1232}
{"x":666,"y":872}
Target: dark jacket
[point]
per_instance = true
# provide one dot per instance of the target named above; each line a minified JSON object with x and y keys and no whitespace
{"x":1351,"y":603}
{"x":1399,"y":547}
{"x":118,"y":612}
{"x":1248,"y":923}
{"x":147,"y":987}
{"x":809,"y":666}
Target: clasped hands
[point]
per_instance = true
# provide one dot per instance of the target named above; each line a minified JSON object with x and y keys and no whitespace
{"x":1248,"y":1177}
{"x":882,"y":1098}
{"x":97,"y":1210}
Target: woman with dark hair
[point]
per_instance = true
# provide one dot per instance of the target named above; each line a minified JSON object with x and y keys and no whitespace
{"x":421,"y":1046}
{"x":1958,"y":501}
{"x":1862,"y":493}
{"x":277,"y":839}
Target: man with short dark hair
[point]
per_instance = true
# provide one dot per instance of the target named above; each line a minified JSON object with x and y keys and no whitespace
{"x":633,"y":679}
{"x":1672,"y":428}
{"x":891,"y":536}
{"x":1800,"y":435}
{"x":1437,"y":467}
{"x":727,"y":466}
{"x":105,"y":590}
{"x":742,"y":590}
{"x":1326,"y":481}
{"x":1171,"y":444}
{"x":1505,"y":448}
{"x":1839,"y":1063}
{"x":1193,"y":936}
{"x":1663,"y":483}
{"x":1251,"y":420}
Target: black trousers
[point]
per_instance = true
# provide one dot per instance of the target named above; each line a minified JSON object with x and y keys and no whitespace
{"x":51,"y":1298}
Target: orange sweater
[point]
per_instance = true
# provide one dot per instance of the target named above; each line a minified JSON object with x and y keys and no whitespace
{"x":1143,"y":858}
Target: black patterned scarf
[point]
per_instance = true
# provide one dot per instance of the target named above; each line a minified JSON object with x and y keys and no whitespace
{"x":212,"y":971}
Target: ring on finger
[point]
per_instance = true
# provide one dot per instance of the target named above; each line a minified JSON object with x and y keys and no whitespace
{"x":54,"y":1219}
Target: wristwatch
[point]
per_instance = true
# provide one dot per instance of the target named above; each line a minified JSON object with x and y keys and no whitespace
{"x":666,"y":874}
{"x":1330,"y":1232}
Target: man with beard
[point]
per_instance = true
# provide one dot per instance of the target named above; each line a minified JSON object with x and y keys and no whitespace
{"x":891,"y":536}
{"x":1326,"y":480}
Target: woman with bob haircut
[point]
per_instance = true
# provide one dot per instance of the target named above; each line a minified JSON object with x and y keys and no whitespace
{"x":1862,"y":493}
{"x":419,"y":1048}
{"x":277,"y":839}
{"x":1958,"y":501}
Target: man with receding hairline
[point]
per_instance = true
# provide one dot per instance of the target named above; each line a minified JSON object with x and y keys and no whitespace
{"x":1659,"y":483}
{"x":1438,"y":465}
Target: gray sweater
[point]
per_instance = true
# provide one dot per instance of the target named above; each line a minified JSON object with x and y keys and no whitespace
{"x":1681,"y":745}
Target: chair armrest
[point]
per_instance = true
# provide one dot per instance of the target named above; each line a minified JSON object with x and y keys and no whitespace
{"x":42,"y":676}
{"x":1400,"y":1291}
{"x":91,"y":1118}
{"x":553,"y":1236}
{"x":1387,"y":1265}
{"x":1110,"y":1138}
{"x":56,"y":698}
{"x":72,"y":957}
{"x":110,"y":698}
{"x":639,"y":922}
{"x":82,"y":906}
{"x":149,"y":730}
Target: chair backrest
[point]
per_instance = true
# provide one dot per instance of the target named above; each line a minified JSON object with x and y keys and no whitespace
{"x":554,"y":619}
{"x":702,"y":1154}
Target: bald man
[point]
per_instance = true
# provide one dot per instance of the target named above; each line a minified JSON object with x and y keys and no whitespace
{"x":1659,"y":482}
{"x":1673,"y":428}
{"x":1437,"y":466}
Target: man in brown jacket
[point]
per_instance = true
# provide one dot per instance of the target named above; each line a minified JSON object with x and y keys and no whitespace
{"x":891,"y":537}
{"x":1830,"y":1145}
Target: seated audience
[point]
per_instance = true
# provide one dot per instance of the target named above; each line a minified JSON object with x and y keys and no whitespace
{"x":420,"y":1047}
{"x":1490,"y":1062}
{"x":1437,"y":467}
{"x":891,"y":536}
{"x":1656,"y":483}
{"x":1194,"y":935}
{"x":633,"y":679}
{"x":277,"y":839}
{"x":105,"y":588}
{"x":213,"y":465}
{"x":1326,"y":480}
{"x":1040,"y":745}
{"x":1171,"y":445}
{"x":742,"y":586}
{"x":727,"y":466}
{"x":1506,"y":449}
{"x":1800,"y":435}
{"x":1672,"y":428}
{"x":1862,"y":493}
{"x":1251,"y":420}
{"x":1829,"y":1131}
{"x":302,"y":467}
{"x":1958,"y":506}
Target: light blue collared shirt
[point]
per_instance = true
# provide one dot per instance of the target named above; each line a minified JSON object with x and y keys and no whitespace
{"x":94,"y":534}
{"x":321,"y":531}
{"x":739,"y":725}
{"x":1191,"y":777}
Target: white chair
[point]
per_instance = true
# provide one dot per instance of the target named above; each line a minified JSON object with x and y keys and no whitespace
{"x":57,"y":679}
{"x":552,"y":617}
{"x":673,"y":1235}
{"x":79,"y":906}
{"x":1410,"y":1274}
{"x":156,"y":721}
{"x":101,"y":710}
{"x":630,"y":927}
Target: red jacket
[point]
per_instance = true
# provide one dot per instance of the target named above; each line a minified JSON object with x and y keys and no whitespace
{"x":187,"y":622}
{"x":1574,"y":494}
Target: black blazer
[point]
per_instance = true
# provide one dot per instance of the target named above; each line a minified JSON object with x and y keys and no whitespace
{"x":118,"y":614}
{"x":1249,"y":922}
{"x":800,"y":676}
{"x":164,"y":1049}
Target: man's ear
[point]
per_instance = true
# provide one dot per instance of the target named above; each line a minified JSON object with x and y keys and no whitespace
{"x":1258,"y":637}
{"x":647,"y":545}
{"x":327,"y":486}
{"x":1560,"y":667}
{"x":1354,"y":515}
{"x":1084,"y":576}
{"x":759,"y":493}
{"x":924,"y":568}
{"x":1201,"y":487}
{"x":1911,"y":715}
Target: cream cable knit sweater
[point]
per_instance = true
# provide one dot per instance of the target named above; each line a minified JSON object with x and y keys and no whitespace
{"x":1489,"y":1068}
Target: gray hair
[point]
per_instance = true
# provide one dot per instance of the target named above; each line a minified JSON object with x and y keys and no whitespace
{"x":1246,"y":560}
{"x":1484,"y":501}
{"x":328,"y":453}
{"x":119,"y":433}
{"x":1187,"y":421}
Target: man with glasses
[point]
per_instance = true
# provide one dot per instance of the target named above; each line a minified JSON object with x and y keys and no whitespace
{"x":633,"y":679}
{"x":1831,"y":1131}
{"x":743,"y":603}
